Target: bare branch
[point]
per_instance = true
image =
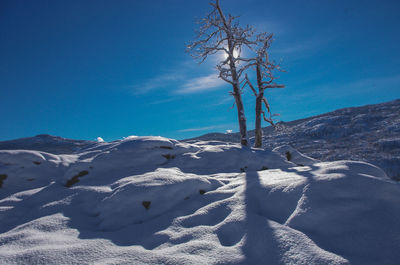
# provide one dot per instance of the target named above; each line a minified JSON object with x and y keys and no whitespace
{"x":274,"y":86}
{"x":219,"y":33}
{"x":250,"y":85}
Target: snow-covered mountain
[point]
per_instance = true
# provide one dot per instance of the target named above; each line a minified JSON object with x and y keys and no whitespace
{"x":153,"y":200}
{"x":46,"y":143}
{"x":370,"y":133}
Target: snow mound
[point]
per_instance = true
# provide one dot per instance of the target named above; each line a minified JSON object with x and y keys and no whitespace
{"x":153,"y":200}
{"x":209,"y":159}
{"x":363,"y":207}
{"x":369,"y":133}
{"x":159,"y":191}
{"x":295,"y":156}
{"x":31,"y":169}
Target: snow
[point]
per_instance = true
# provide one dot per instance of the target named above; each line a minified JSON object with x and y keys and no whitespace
{"x":295,"y":156}
{"x":154,"y":200}
{"x":163,"y":189}
{"x":369,"y":133}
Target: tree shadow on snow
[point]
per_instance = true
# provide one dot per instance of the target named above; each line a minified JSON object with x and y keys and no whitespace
{"x":356,"y":225}
{"x":258,"y":240}
{"x":260,"y":244}
{"x":150,"y":233}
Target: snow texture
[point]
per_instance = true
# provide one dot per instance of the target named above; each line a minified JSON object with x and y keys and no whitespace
{"x":370,"y":133}
{"x":153,"y":200}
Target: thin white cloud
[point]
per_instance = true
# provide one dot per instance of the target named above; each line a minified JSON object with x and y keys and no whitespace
{"x":271,"y":26}
{"x":375,"y":83}
{"x":361,"y":86}
{"x":180,"y":78}
{"x":294,"y":48}
{"x":156,"y":82}
{"x":301,"y":48}
{"x":214,"y":127}
{"x":343,"y":90}
{"x":200,"y":84}
{"x":224,"y":101}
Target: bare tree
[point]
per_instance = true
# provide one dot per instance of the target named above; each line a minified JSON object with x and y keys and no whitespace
{"x":220,"y":34}
{"x":265,"y":79}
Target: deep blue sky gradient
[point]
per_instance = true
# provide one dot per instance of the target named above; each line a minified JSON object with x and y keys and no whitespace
{"x":83,"y":69}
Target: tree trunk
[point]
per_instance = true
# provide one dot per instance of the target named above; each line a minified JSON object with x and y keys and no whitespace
{"x":238,"y":98}
{"x":258,"y":132}
{"x":235,"y":79}
{"x":241,"y":116}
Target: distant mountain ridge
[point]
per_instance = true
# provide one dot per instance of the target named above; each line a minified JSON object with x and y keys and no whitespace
{"x":46,"y":143}
{"x":368,"y":133}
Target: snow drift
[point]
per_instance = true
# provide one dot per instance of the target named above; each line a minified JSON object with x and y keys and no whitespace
{"x":369,"y":133}
{"x":153,"y":200}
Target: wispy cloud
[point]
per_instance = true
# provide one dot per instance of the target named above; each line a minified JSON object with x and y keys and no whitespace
{"x":342,"y":90}
{"x":271,"y":26}
{"x":224,"y":101}
{"x":157,"y":82}
{"x":213,"y":127}
{"x":200,"y":84}
{"x":301,"y":48}
{"x":181,"y":80}
{"x":297,"y":47}
{"x":376,"y":83}
{"x":361,"y":86}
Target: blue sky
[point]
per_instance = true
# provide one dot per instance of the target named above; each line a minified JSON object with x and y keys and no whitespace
{"x":83,"y":69}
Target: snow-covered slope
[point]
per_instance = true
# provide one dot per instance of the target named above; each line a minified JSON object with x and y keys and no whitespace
{"x":370,"y":133}
{"x":153,"y":200}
